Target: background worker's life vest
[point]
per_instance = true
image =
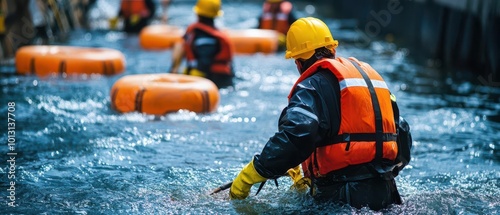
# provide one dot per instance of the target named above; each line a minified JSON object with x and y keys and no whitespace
{"x":134,"y":7}
{"x":222,"y":60}
{"x":367,"y":130}
{"x":276,"y":21}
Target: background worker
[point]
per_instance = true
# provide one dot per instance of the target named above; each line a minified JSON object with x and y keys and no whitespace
{"x":341,"y":123}
{"x":15,"y":20}
{"x":277,"y":15}
{"x":136,"y":15}
{"x":207,"y":50}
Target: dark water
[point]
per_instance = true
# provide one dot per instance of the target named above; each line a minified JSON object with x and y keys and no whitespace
{"x":76,"y":155}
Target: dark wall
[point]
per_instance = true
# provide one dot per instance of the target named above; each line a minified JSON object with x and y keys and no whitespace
{"x":457,"y":37}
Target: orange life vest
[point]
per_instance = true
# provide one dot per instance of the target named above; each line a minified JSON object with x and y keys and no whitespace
{"x":276,"y":21}
{"x":367,"y":129}
{"x":222,"y":60}
{"x":130,"y":7}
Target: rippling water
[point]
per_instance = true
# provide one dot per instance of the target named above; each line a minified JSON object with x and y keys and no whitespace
{"x":78,"y":156}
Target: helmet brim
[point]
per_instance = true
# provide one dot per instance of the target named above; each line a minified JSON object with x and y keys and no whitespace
{"x":200,"y":12}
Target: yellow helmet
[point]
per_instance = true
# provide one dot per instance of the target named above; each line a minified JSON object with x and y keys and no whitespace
{"x":274,"y":1}
{"x":305,"y":36}
{"x":208,"y":8}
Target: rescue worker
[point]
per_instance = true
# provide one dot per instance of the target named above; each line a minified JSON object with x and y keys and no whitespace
{"x":207,"y":50}
{"x":276,"y":15}
{"x":341,"y":124}
{"x":137,"y":14}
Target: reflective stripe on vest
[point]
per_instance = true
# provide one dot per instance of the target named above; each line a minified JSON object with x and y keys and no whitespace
{"x":359,"y":82}
{"x":222,"y":60}
{"x":278,"y":21}
{"x":356,"y":140}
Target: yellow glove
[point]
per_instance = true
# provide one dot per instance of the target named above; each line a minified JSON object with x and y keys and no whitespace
{"x":248,"y":176}
{"x":300,"y":183}
{"x":195,"y":72}
{"x":134,"y":19}
{"x":113,"y":23}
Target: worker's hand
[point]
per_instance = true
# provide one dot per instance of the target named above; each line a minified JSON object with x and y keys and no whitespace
{"x":300,"y":183}
{"x":134,"y":19}
{"x":247,"y":177}
{"x":113,"y":23}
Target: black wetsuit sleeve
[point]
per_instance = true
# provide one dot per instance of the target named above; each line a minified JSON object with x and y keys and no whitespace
{"x":404,"y":140}
{"x":304,"y":123}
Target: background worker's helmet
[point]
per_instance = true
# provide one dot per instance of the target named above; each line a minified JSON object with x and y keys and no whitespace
{"x":208,"y":8}
{"x":305,"y":36}
{"x":274,"y":1}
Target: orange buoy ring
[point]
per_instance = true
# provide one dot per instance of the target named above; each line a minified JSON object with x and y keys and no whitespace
{"x":157,"y":37}
{"x":250,"y":41}
{"x":244,"y":41}
{"x":159,"y":94}
{"x":47,"y":60}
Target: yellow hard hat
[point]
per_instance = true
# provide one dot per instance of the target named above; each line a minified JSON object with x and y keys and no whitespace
{"x":305,"y":36}
{"x":208,"y":8}
{"x":274,"y":1}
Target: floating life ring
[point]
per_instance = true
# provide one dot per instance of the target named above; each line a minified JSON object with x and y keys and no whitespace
{"x":158,"y":37}
{"x":49,"y":60}
{"x":159,"y":94}
{"x":250,"y":41}
{"x":244,"y":41}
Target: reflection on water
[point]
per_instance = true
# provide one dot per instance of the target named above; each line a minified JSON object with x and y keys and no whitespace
{"x":77,"y":155}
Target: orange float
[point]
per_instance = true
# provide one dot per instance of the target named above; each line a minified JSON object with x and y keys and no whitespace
{"x":49,"y":60}
{"x":244,"y":41}
{"x":159,"y":94}
{"x":158,"y":37}
{"x":250,"y":41}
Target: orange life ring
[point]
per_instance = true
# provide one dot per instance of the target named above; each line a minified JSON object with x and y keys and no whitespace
{"x":159,"y":94}
{"x":48,"y":60}
{"x":250,"y":41}
{"x":244,"y":41}
{"x":157,"y":37}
